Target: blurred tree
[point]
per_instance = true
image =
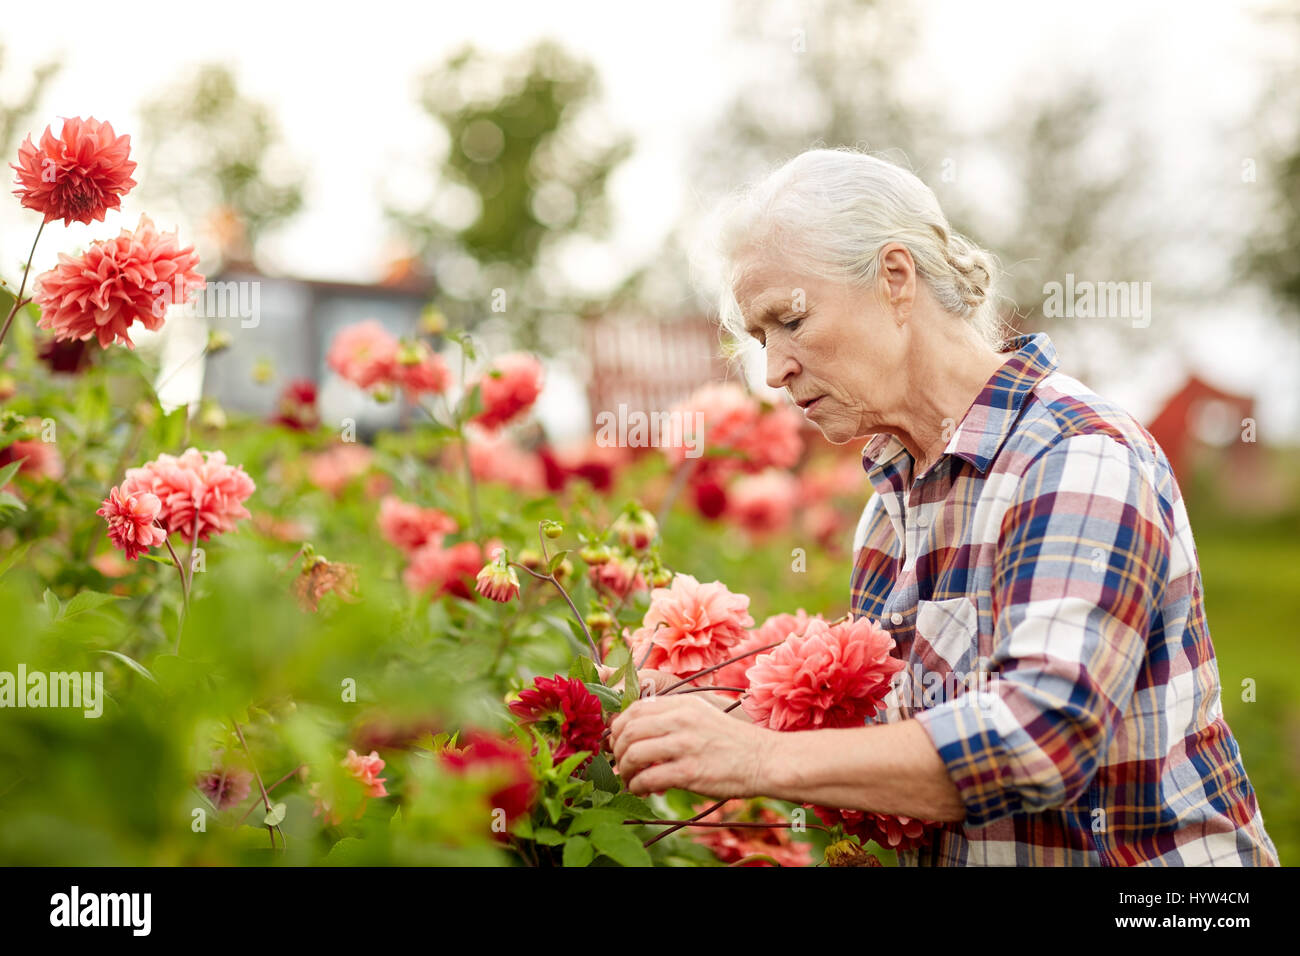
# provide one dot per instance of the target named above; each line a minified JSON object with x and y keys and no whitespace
{"x":525,"y":170}
{"x":835,"y":73}
{"x":218,"y":154}
{"x":1271,"y":252}
{"x":16,"y":113}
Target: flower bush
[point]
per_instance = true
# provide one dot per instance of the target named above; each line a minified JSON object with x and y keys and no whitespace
{"x":438,"y":690}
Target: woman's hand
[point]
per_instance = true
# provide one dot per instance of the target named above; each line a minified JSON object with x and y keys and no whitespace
{"x":655,"y":682}
{"x":677,"y":741}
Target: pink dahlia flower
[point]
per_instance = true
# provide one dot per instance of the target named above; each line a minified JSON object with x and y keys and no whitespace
{"x":509,"y":388}
{"x":444,"y":570}
{"x":495,"y":456}
{"x":566,"y":713}
{"x":116,"y":283}
{"x":691,"y":626}
{"x":76,"y":176}
{"x":333,"y":469}
{"x":199,"y":492}
{"x":131,"y":518}
{"x":617,"y":577}
{"x":765,"y":503}
{"x":779,"y":627}
{"x":733,"y":844}
{"x":365,"y":353}
{"x":411,"y":527}
{"x":832,"y":676}
{"x":419,"y":370}
{"x":365,"y":770}
{"x":39,"y":459}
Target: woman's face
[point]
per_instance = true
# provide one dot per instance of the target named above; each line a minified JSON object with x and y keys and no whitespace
{"x":828,"y":345}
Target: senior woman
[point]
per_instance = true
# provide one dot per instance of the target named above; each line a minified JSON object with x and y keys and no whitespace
{"x":1023,"y":530}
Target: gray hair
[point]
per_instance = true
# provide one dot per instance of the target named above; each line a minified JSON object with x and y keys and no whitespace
{"x":828,"y":213}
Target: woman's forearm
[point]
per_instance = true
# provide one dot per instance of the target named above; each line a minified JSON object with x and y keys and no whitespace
{"x":885,"y":768}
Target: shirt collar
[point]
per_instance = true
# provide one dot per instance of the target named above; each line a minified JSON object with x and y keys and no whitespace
{"x":991,"y":416}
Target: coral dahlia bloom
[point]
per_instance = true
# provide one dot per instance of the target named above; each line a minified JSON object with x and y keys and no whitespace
{"x":131,"y":518}
{"x":497,"y":457}
{"x":691,"y":626}
{"x":199,"y":491}
{"x":297,"y":406}
{"x":444,"y":570}
{"x":419,"y":370}
{"x":617,"y":577}
{"x":333,"y":469}
{"x":774,"y":440}
{"x":509,"y":388}
{"x":76,"y":176}
{"x":101,"y":293}
{"x":39,"y":459}
{"x":779,"y":627}
{"x":366,"y":770}
{"x":830,"y":677}
{"x":411,"y":527}
{"x":564,"y":711}
{"x":764,"y":504}
{"x":732,"y":844}
{"x":505,"y":761}
{"x":364,"y":353}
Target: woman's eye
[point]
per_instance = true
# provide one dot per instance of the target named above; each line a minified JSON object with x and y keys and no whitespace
{"x":793,"y":323}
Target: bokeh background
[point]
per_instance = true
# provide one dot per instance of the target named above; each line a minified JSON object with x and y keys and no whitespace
{"x":569,"y":154}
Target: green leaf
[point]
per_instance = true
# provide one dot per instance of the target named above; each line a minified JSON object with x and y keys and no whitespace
{"x":565,"y":769}
{"x":548,"y":837}
{"x":589,"y":819}
{"x":554,"y":809}
{"x":158,"y":559}
{"x":52,"y":607}
{"x":602,"y":774}
{"x":621,"y":845}
{"x":608,"y":698}
{"x":9,"y":501}
{"x":556,"y":560}
{"x":131,"y":663}
{"x":632,"y":807}
{"x":578,"y":852}
{"x":8,"y":471}
{"x":275,"y":815}
{"x":583,"y":668}
{"x":87,"y":601}
{"x":14,"y":558}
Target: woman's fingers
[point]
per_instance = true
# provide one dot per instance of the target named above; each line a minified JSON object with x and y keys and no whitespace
{"x":644,"y":753}
{"x":640,"y":728}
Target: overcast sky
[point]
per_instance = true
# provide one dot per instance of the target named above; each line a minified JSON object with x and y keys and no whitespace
{"x":343,"y":87}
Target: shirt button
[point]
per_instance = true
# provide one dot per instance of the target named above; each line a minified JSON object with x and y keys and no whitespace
{"x":896,"y":618}
{"x":921,"y":521}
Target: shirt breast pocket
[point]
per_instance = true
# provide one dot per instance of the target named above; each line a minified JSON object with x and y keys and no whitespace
{"x":947,"y":635}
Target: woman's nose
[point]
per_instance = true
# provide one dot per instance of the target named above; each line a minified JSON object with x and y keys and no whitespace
{"x":781,"y":367}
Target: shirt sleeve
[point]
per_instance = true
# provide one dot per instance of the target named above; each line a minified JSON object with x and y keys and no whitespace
{"x":1080,"y":568}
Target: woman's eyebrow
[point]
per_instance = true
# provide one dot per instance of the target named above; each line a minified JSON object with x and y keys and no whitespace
{"x":768,"y":313}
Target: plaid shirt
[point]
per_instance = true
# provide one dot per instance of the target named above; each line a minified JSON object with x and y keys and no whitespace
{"x":1043,"y":588}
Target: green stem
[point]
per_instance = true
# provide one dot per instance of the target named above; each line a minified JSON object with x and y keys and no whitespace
{"x":18,"y":299}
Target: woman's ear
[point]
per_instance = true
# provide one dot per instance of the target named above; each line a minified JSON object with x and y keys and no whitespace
{"x":896,"y":282}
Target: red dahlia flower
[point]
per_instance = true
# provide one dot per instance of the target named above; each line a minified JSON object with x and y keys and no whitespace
{"x":566,"y":713}
{"x":76,"y":176}
{"x":116,"y":283}
{"x":506,"y":761}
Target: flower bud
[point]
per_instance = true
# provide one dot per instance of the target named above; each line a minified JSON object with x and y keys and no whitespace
{"x":497,"y":580}
{"x":597,"y":554}
{"x":636,"y":528}
{"x":218,"y":341}
{"x":432,"y":321}
{"x":532,"y":560}
{"x":661,"y":578}
{"x":263,"y":371}
{"x":552,"y":529}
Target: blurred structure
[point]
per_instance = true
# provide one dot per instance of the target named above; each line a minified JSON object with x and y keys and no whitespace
{"x":1201,"y":425}
{"x":279,"y":330}
{"x":648,"y":365}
